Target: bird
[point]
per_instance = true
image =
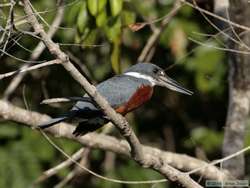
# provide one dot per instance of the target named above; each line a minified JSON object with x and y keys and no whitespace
{"x":124,"y":92}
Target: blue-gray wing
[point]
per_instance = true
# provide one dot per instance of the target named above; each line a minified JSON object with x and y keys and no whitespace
{"x":117,"y":91}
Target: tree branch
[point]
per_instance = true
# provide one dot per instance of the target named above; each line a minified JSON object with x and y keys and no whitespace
{"x":27,"y":69}
{"x":52,"y":171}
{"x":239,"y":92}
{"x":37,"y":51}
{"x":109,"y":143}
{"x":146,"y":53}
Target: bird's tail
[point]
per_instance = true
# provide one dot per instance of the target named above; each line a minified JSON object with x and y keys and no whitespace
{"x":53,"y":122}
{"x":67,"y":116}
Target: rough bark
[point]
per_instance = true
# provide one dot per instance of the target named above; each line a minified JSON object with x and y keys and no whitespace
{"x":239,"y":90}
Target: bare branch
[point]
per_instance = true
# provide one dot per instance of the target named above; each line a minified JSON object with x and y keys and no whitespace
{"x":217,"y":16}
{"x":157,"y":32}
{"x":37,"y":51}
{"x":64,"y":164}
{"x":75,"y":171}
{"x":38,"y":66}
{"x":109,"y":143}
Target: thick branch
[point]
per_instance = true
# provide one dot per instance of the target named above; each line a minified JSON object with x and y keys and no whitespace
{"x":239,"y":92}
{"x":117,"y":119}
{"x":109,"y":143}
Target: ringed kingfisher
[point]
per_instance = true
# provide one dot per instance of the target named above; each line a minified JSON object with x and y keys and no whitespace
{"x":124,"y":93}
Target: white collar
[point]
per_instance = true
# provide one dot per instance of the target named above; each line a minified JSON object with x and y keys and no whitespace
{"x":141,"y":76}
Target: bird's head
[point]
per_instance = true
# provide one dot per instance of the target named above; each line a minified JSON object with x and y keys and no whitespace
{"x":156,"y":76}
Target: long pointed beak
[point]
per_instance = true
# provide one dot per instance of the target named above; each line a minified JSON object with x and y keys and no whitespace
{"x":169,"y":83}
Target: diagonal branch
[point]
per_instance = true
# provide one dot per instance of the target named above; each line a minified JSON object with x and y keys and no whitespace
{"x":27,"y":69}
{"x":52,"y":171}
{"x":149,"y":47}
{"x":120,"y":122}
{"x":37,"y":51}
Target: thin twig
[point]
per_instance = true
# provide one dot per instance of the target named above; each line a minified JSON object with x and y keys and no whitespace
{"x":220,"y":160}
{"x":228,"y":36}
{"x":219,"y":48}
{"x":156,"y":33}
{"x":38,"y":66}
{"x":216,"y":16}
{"x":36,"y":52}
{"x":76,"y":170}
{"x":52,"y":171}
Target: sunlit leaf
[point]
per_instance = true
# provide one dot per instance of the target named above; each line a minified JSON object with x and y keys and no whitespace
{"x":113,"y":29}
{"x":82,"y":18}
{"x":115,"y":6}
{"x":90,"y":38}
{"x":93,"y":6}
{"x":128,"y":17}
{"x":101,"y":18}
{"x":115,"y":57}
{"x":101,"y":4}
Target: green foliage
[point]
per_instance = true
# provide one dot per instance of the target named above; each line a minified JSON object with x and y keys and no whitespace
{"x":82,"y":18}
{"x":131,"y":172}
{"x":128,"y":17}
{"x":93,"y":6}
{"x":17,"y":157}
{"x":208,"y":139}
{"x":115,"y":57}
{"x":207,"y":64}
{"x":102,"y":15}
{"x":115,"y":6}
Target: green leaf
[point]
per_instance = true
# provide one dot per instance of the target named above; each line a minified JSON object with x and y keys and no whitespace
{"x":90,"y":38}
{"x":8,"y":131}
{"x":101,"y":18}
{"x":93,"y":7}
{"x":82,"y":18}
{"x":115,"y":6}
{"x":210,"y":140}
{"x":73,"y":13}
{"x":101,"y":5}
{"x":208,"y":67}
{"x":115,"y":57}
{"x":128,"y":17}
{"x":113,"y":29}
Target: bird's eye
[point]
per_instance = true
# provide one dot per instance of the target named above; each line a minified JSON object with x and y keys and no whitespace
{"x":162,"y":73}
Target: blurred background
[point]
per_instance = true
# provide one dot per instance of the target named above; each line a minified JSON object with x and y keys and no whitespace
{"x":101,"y":39}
